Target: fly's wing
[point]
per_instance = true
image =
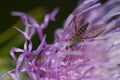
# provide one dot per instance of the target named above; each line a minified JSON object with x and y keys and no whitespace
{"x":73,"y":23}
{"x":77,"y":24}
{"x":95,"y":31}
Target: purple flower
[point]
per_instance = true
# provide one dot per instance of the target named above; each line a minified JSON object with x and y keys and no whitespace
{"x":87,"y":48}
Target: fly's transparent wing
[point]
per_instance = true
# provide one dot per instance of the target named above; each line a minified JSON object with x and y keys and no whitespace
{"x":95,"y":31}
{"x":73,"y":27}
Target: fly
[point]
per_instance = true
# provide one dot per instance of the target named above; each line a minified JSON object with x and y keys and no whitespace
{"x":82,"y":34}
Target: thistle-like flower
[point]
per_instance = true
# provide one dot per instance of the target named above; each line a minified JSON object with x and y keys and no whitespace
{"x":87,"y":48}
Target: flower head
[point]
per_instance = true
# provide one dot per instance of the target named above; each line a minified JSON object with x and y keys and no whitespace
{"x":87,"y":48}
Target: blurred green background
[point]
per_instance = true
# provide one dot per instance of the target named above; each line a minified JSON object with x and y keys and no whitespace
{"x":10,"y":37}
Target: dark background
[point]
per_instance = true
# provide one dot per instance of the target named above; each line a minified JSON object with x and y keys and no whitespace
{"x":6,"y":6}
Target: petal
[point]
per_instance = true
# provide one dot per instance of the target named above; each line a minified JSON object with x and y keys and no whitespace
{"x":38,"y":50}
{"x":12,"y":52}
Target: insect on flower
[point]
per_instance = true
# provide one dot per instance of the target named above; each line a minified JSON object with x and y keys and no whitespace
{"x":83,"y":34}
{"x":80,"y":26}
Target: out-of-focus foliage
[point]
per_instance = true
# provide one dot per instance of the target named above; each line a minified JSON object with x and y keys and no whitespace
{"x":12,"y":37}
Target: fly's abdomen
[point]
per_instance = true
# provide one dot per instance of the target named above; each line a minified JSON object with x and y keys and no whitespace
{"x":78,"y":36}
